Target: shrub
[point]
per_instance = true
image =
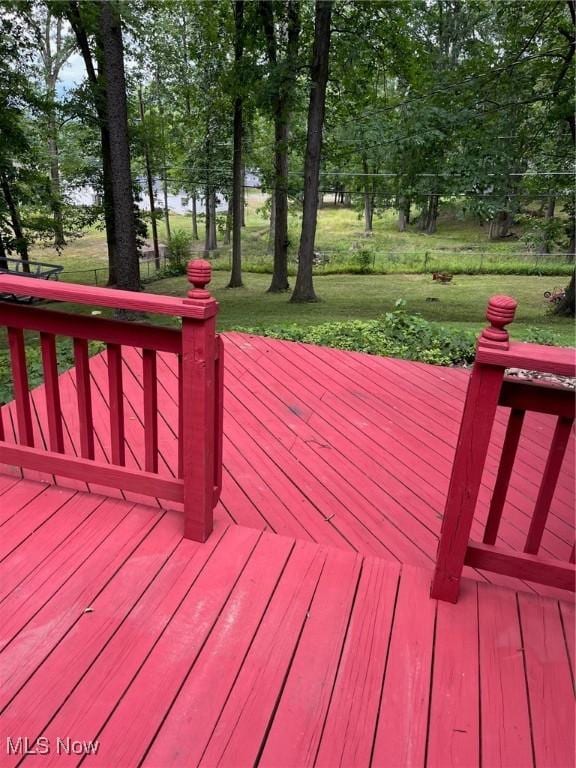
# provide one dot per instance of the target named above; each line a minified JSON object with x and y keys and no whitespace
{"x":178,"y":253}
{"x":394,"y":334}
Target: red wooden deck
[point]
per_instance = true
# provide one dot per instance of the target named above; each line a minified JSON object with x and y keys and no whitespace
{"x":319,"y":645}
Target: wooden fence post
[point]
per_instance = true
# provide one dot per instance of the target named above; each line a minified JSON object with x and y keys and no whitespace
{"x":197,"y":403}
{"x":470,"y":457}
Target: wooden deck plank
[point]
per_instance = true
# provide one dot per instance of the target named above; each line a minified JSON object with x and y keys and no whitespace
{"x":124,"y":739}
{"x":396,"y":420}
{"x":349,"y":439}
{"x":24,"y":652}
{"x":271,"y":651}
{"x":16,"y":496}
{"x":249,"y":710}
{"x":504,"y":705}
{"x":353,"y":712}
{"x":62,"y":670}
{"x":294,"y":736}
{"x":548,"y":674}
{"x":189,"y":724}
{"x":32,"y":516}
{"x":44,"y":541}
{"x":91,"y":704}
{"x":402,"y":729}
{"x":454,"y":726}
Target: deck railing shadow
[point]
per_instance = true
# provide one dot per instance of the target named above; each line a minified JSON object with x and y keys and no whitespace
{"x":488,"y":388}
{"x":199,"y":352}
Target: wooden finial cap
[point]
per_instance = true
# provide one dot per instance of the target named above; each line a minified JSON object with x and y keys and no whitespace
{"x":199,"y":273}
{"x":501,"y":311}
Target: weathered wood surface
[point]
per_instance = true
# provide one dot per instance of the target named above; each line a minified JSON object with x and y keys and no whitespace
{"x":257,"y":648}
{"x":339,"y":448}
{"x":486,"y":391}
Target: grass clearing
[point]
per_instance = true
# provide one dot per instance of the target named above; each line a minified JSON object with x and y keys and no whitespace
{"x":459,"y":304}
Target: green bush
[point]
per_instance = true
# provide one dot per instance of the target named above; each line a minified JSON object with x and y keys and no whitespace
{"x":394,"y":334}
{"x":178,"y":253}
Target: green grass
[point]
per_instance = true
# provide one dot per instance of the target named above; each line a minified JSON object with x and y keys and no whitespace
{"x":459,"y":246}
{"x":461,"y":303}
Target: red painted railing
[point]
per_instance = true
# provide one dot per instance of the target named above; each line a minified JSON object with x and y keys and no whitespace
{"x":199,"y":352}
{"x":488,"y":388}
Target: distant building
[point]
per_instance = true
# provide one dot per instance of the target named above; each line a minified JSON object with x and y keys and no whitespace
{"x":177,"y":203}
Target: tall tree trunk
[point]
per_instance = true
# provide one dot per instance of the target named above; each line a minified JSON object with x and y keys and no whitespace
{"x":237,"y":160}
{"x":3,"y":254}
{"x":127,"y":266}
{"x":16,"y":221}
{"x":432,"y":215}
{"x":566,"y":307}
{"x":280,"y":269}
{"x":272,"y":225}
{"x":500,"y":225}
{"x":210,"y":241}
{"x":304,"y":288}
{"x":286,"y":78}
{"x":166,"y":209}
{"x":98,"y":86}
{"x":55,"y":187}
{"x":403,"y":213}
{"x":551,"y":207}
{"x":243,"y":191}
{"x":150,"y":184}
{"x":228,"y":227}
{"x":207,"y":212}
{"x":194,"y":218}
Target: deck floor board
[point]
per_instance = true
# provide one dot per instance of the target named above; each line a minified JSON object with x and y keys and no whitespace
{"x":302,"y":632}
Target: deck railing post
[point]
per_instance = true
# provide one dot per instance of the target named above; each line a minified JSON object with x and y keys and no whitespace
{"x":198,"y":403}
{"x":470,"y":457}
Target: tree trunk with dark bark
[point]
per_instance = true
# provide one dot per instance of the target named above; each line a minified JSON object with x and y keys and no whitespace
{"x":150,"y":185}
{"x":55,"y":188}
{"x":500,"y":225}
{"x":432,"y":216}
{"x":210,"y":240}
{"x":3,"y":254}
{"x":566,"y":307}
{"x":282,"y":108}
{"x":16,"y":221}
{"x":403,"y":214}
{"x":304,"y":288}
{"x":127,"y":266}
{"x":98,"y":88}
{"x":194,"y":218}
{"x":272,"y":224}
{"x":551,"y":207}
{"x":237,"y":161}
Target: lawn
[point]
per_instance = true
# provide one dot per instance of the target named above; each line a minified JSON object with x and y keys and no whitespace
{"x":459,"y":245}
{"x":460,"y":304}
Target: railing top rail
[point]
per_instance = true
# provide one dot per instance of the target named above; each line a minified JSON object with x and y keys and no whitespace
{"x":534,"y":357}
{"x":495,"y":347}
{"x":199,"y":273}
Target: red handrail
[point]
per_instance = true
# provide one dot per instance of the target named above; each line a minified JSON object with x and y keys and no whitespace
{"x":200,"y":369}
{"x":489,"y":387}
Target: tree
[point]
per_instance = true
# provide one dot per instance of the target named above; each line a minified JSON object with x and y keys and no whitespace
{"x":237,"y":164}
{"x":110,"y":32}
{"x":304,"y":288}
{"x":55,"y":46}
{"x":283,"y":72}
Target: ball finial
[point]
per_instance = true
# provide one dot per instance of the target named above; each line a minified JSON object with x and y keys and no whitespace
{"x":501,"y":311}
{"x":199,"y":273}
